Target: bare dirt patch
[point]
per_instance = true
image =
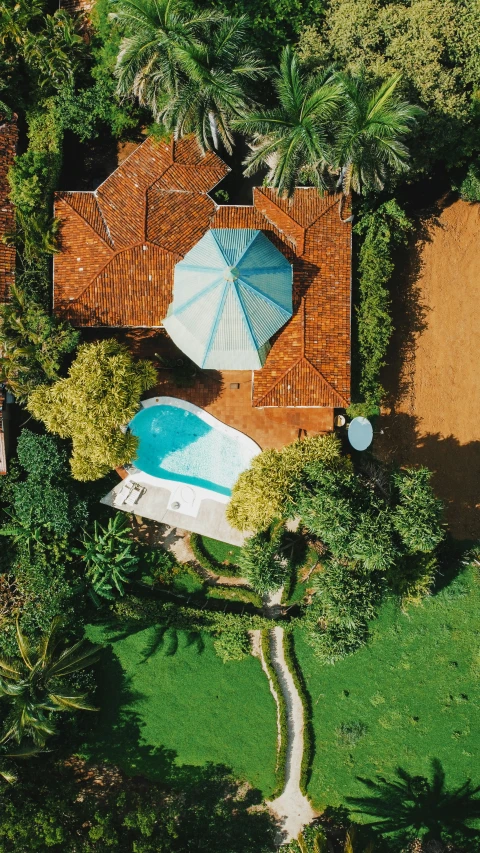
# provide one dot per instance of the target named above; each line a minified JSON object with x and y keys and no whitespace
{"x":433,"y":411}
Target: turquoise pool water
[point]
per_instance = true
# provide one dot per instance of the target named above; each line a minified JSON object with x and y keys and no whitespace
{"x":178,"y":445}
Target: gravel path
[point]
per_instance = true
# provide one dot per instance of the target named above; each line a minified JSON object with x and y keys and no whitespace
{"x":292,"y":807}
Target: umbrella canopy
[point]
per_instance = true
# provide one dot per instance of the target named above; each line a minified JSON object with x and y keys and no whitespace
{"x":231,"y":293}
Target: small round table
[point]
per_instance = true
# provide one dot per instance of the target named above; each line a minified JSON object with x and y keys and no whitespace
{"x":360,"y":433}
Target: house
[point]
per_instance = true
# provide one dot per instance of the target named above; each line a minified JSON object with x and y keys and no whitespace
{"x":121,"y":247}
{"x":8,"y":143}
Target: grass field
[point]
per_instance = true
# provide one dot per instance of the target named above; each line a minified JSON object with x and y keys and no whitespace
{"x":221,"y":551}
{"x":410,"y":696}
{"x":171,"y":703}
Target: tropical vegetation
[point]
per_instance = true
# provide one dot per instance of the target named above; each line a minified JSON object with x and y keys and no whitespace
{"x":101,"y":393}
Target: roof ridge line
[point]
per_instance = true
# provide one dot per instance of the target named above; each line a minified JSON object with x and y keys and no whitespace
{"x":92,"y":193}
{"x":114,"y":255}
{"x":282,"y":377}
{"x":120,"y":165}
{"x":322,"y":376}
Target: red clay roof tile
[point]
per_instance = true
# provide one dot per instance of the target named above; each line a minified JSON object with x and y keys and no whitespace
{"x":159,"y":199}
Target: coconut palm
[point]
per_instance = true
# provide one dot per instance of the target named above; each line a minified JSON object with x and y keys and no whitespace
{"x":292,"y":139}
{"x":369,"y":136}
{"x":217,"y":71}
{"x":147,"y":66}
{"x":32,"y":685}
{"x":192,"y":71}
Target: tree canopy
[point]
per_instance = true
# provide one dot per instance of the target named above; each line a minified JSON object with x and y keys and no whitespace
{"x":100,"y":394}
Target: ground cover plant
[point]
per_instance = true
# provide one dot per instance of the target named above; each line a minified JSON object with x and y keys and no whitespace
{"x":409,"y":697}
{"x":168,"y":697}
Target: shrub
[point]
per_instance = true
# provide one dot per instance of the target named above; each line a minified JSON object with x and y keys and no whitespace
{"x":345,"y":600}
{"x":470,"y":186}
{"x":261,"y":563}
{"x":233,"y":644}
{"x":418,"y":514}
{"x":33,"y":344}
{"x":262,"y":493}
{"x":382,"y":230}
{"x":101,"y":393}
{"x":308,"y":732}
{"x":110,"y":557}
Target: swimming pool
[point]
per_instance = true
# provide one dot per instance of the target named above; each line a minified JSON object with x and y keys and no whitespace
{"x":182,"y":443}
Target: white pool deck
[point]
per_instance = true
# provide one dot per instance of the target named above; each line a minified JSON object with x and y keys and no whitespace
{"x":180,"y":504}
{"x":155,"y":501}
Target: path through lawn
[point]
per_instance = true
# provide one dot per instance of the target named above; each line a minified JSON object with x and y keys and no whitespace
{"x":410,"y":696}
{"x":177,"y":702}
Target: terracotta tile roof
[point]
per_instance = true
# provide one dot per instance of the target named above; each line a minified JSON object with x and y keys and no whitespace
{"x":8,"y":143}
{"x":120,"y":245}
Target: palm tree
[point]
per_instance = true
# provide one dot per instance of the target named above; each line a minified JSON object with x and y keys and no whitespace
{"x":110,"y":557}
{"x":216,"y":72}
{"x":369,"y":136}
{"x":33,"y":685}
{"x":292,"y":139}
{"x":191,"y":71}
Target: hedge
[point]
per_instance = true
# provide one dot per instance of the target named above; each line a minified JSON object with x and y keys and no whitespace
{"x":281,"y":766}
{"x":382,"y":230}
{"x":308,"y":733}
{"x":207,"y":561}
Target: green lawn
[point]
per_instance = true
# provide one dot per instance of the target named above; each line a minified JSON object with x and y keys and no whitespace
{"x":171,"y":702}
{"x":413,"y":692}
{"x":221,"y":551}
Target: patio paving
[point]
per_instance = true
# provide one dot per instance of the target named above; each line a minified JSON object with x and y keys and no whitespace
{"x":217,"y":392}
{"x":153,"y":504}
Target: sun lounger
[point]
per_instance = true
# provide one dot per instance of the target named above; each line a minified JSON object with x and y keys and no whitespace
{"x":135,"y":494}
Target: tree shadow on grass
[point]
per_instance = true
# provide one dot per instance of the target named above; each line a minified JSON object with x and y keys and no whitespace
{"x":220,"y":813}
{"x":416,"y":807}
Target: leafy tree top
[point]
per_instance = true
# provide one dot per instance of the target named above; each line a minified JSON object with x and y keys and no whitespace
{"x":100,"y":394}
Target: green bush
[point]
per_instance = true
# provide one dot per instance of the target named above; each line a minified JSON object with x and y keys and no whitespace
{"x":110,"y":557}
{"x":33,"y":344}
{"x":233,"y":644}
{"x":417,"y":517}
{"x":261,"y":563}
{"x":345,"y":599}
{"x":382,"y":230}
{"x":470,"y":187}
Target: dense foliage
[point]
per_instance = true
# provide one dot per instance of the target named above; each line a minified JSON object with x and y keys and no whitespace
{"x":262,"y":492}
{"x":382,"y":230}
{"x":261,"y":562}
{"x":42,"y":515}
{"x":101,"y":393}
{"x":74,"y":808}
{"x":110,"y":556}
{"x":33,"y":344}
{"x":433,"y":44}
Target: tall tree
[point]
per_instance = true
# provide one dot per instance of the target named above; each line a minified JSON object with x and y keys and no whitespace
{"x":100,"y":394}
{"x":193,"y":72}
{"x":292,"y":139}
{"x":370,"y":132}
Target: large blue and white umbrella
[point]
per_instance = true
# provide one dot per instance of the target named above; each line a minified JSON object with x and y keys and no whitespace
{"x":231,"y":293}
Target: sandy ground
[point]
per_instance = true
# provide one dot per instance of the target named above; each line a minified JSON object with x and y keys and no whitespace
{"x":433,"y":416}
